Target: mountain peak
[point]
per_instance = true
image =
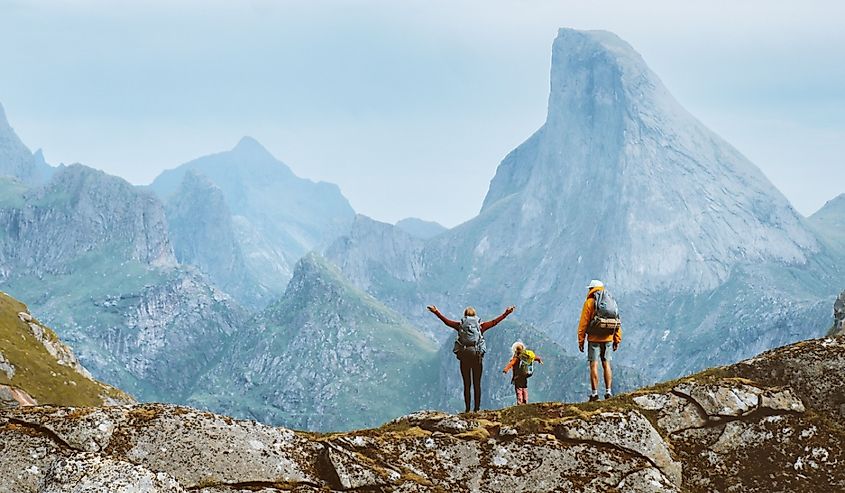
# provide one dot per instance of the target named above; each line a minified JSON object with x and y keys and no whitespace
{"x":248,"y":145}
{"x":596,"y":73}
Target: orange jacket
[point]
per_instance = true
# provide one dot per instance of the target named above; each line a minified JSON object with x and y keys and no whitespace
{"x":586,"y":315}
{"x":513,"y":361}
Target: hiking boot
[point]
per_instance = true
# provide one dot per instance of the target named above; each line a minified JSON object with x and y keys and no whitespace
{"x":608,"y":395}
{"x":594,"y":398}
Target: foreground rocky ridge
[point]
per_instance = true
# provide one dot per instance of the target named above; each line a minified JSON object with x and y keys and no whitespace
{"x":771,"y":423}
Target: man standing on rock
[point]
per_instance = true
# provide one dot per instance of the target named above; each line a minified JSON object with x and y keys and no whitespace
{"x":601,"y":326}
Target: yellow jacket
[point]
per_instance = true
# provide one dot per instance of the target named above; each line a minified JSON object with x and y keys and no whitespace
{"x":587,"y":313}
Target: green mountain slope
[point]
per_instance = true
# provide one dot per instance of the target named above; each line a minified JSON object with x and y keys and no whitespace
{"x":327,"y":356}
{"x":34,"y":360}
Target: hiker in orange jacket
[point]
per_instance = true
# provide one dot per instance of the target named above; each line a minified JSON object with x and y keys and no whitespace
{"x":597,"y":345}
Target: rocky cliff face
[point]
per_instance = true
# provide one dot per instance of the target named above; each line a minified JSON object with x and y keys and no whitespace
{"x":768,"y":424}
{"x":36,"y":367}
{"x":203,"y":235}
{"x":278,"y":217}
{"x":81,"y":211}
{"x":622,"y":184}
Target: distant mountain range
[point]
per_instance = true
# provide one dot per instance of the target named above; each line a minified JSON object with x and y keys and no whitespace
{"x":276,"y":217}
{"x":200,"y":288}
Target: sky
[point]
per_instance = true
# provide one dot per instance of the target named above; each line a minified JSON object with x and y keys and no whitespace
{"x":410,"y":105}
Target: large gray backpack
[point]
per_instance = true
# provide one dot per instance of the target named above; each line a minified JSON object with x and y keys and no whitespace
{"x":469,"y":340}
{"x":606,"y":320}
{"x":605,"y":305}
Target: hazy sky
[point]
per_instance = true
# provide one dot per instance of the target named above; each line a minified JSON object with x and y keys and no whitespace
{"x":405,"y":103}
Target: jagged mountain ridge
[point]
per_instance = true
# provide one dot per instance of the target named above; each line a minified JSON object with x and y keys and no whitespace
{"x":278,"y":217}
{"x":325,"y":356}
{"x":622,"y":184}
{"x":770,"y":423}
{"x":81,"y":210}
{"x":91,"y":253}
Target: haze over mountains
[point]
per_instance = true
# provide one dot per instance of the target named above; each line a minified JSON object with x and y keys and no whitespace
{"x":180,"y":291}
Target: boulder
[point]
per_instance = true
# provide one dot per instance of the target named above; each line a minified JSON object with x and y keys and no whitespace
{"x":91,"y":473}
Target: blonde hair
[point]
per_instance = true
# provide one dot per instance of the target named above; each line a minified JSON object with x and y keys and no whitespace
{"x":469,"y":312}
{"x":517,"y":348}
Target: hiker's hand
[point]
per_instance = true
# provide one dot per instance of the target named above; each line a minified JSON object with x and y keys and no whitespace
{"x":581,"y":347}
{"x":432,"y":308}
{"x":510,"y":309}
{"x":615,"y":346}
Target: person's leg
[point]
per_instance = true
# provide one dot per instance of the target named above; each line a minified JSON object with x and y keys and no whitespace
{"x":525,"y":395}
{"x":608,"y":376}
{"x":592,"y":359}
{"x":466,"y":372}
{"x":476,"y":381}
{"x":518,"y":392}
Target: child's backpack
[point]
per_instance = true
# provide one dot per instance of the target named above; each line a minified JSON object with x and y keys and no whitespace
{"x":525,"y":365}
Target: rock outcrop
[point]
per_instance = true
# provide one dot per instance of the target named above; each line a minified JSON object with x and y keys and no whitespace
{"x":768,"y":424}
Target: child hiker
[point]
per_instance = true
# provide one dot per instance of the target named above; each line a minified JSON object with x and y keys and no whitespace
{"x":522,"y":364}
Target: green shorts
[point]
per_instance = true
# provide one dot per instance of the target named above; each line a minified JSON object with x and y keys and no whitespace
{"x":594,"y":351}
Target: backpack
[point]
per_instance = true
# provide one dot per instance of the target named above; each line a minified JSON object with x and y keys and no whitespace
{"x":469,"y":340}
{"x":606,"y":320}
{"x":525,"y":366}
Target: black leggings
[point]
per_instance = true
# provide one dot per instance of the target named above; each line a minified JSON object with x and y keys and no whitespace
{"x":471,"y":367}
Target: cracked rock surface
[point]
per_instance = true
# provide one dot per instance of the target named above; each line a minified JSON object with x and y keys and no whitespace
{"x":765,"y":424}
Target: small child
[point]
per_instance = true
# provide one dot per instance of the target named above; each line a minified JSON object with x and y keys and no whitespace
{"x":522,"y":364}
